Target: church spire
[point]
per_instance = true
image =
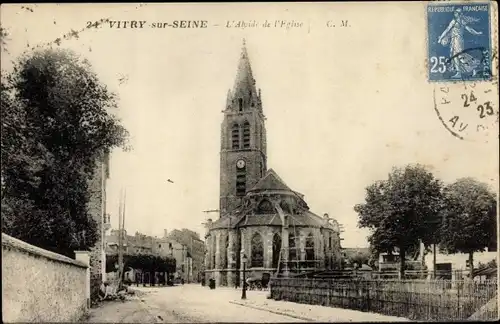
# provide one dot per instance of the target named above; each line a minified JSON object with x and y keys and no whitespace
{"x":244,"y":94}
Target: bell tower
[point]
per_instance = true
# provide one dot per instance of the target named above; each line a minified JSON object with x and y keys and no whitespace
{"x":243,"y":138}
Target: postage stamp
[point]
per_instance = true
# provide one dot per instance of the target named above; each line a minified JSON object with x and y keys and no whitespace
{"x":459,"y":42}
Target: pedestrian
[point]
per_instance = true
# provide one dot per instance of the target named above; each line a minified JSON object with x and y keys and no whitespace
{"x":102,"y":291}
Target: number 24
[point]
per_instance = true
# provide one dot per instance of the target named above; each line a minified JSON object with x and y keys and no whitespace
{"x":480,"y":108}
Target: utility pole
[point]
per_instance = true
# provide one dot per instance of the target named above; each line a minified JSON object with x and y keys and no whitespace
{"x":120,"y":256}
{"x":121,"y":229}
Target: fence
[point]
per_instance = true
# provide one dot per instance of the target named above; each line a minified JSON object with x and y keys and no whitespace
{"x":41,"y":286}
{"x":435,"y":300}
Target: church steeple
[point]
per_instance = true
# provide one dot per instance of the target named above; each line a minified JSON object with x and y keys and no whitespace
{"x":244,"y":95}
{"x":243,"y":138}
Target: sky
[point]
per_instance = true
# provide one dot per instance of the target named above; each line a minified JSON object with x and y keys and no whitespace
{"x":343,"y":106}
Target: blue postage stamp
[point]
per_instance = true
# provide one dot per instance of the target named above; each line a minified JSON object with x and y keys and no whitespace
{"x":459,"y":42}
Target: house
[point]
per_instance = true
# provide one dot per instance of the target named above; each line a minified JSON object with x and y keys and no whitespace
{"x":455,"y":265}
{"x":489,"y":273}
{"x":133,"y":245}
{"x":168,"y":247}
{"x":195,"y":251}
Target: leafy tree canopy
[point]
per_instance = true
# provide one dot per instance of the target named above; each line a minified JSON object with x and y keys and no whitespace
{"x":401,"y":210}
{"x":147,"y":263}
{"x":56,"y":125}
{"x":469,"y":217}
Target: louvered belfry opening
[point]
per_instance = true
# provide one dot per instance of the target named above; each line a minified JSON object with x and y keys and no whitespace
{"x":241,"y":181}
{"x":235,"y":136}
{"x":246,"y":135}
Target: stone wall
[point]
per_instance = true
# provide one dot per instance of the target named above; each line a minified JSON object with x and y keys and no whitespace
{"x":41,"y":286}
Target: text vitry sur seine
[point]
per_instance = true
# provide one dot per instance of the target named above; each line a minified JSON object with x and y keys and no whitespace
{"x":128,"y":24}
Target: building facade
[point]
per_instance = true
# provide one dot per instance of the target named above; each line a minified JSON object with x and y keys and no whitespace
{"x":132,"y":244}
{"x":141,"y":244}
{"x":97,"y":209}
{"x":167,"y":247}
{"x":261,"y":219}
{"x":455,"y":266}
{"x":195,"y":250}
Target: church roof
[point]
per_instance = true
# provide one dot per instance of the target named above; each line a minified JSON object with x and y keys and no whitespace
{"x":307,"y":219}
{"x":223,"y":222}
{"x":270,"y":181}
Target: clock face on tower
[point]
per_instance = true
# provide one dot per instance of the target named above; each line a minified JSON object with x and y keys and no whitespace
{"x":240,"y":164}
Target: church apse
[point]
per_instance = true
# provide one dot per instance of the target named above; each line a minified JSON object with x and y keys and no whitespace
{"x":260,"y":216}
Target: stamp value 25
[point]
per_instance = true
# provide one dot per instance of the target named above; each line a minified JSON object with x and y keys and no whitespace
{"x":459,"y":41}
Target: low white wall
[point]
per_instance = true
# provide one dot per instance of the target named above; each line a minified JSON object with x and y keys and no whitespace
{"x":459,"y":260}
{"x":39,"y":285}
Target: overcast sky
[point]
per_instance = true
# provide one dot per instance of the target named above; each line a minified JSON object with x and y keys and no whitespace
{"x":343,"y":106}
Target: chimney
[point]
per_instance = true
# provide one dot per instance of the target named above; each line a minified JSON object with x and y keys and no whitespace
{"x":165,"y":232}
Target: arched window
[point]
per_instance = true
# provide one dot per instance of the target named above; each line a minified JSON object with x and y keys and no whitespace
{"x":235,"y":136}
{"x":310,"y":248}
{"x":246,"y":135}
{"x":257,"y":251}
{"x":214,"y":247}
{"x":276,"y":249}
{"x":241,"y":181}
{"x":292,"y":254}
{"x":240,"y":104}
{"x":226,"y":255}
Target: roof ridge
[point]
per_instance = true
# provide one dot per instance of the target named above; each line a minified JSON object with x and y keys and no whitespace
{"x":266,"y":182}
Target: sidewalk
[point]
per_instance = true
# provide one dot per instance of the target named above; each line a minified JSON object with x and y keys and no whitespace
{"x":314,"y":313}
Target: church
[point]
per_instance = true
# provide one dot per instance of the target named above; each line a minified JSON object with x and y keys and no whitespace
{"x":262,"y":222}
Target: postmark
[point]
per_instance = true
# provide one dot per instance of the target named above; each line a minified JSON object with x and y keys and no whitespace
{"x":459,"y":42}
{"x":469,"y":111}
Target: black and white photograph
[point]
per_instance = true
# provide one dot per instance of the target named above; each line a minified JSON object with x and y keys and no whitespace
{"x":249,"y":162}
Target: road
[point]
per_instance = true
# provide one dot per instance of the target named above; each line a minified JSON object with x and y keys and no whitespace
{"x":185,"y":304}
{"x":196,"y":304}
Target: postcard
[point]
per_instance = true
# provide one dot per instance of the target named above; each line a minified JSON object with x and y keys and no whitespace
{"x":250,"y":162}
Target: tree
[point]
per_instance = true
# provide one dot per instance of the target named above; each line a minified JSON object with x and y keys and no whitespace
{"x":144,"y":262}
{"x":401,"y":210}
{"x":469,"y":218}
{"x":358,"y":257}
{"x":56,"y":125}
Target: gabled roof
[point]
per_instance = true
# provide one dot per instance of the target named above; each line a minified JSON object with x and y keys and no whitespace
{"x":488,"y":271}
{"x":223,"y":222}
{"x":270,"y":181}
